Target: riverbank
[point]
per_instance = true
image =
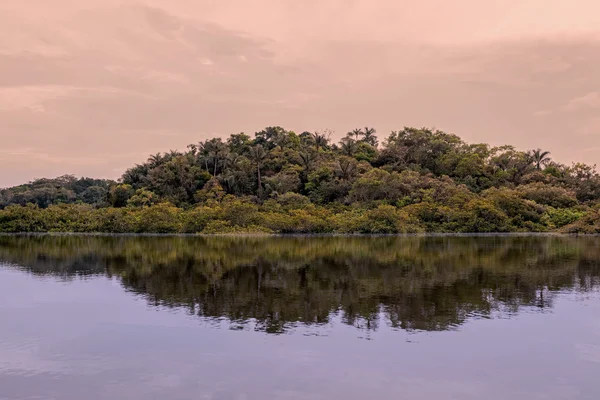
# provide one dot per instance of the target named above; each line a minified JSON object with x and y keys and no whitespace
{"x":245,"y":218}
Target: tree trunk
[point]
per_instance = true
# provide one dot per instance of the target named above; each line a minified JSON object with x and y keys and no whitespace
{"x":259,"y":182}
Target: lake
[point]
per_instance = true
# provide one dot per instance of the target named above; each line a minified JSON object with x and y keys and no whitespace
{"x":232,"y":318}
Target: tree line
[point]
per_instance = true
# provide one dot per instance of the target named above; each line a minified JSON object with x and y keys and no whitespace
{"x":415,"y":180}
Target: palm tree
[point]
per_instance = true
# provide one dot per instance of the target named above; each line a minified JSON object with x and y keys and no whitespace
{"x":172,"y":154}
{"x":193,"y":149}
{"x":200,"y":150}
{"x":307,"y":158}
{"x":369,"y":136}
{"x":231,"y":172}
{"x":281,"y":139}
{"x":346,"y":166}
{"x":356,"y":133}
{"x":540,"y":158}
{"x":258,"y":154}
{"x":216,"y":150}
{"x":232,"y":160}
{"x":320,"y":140}
{"x":155,"y":159}
{"x":348,"y":146}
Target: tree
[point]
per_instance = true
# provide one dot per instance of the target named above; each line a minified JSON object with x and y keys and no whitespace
{"x":155,"y":160}
{"x":267,"y":137}
{"x":355,"y":134}
{"x":307,"y":159}
{"x":540,"y":157}
{"x":202,"y":153}
{"x":120,"y":194}
{"x":177,"y":179}
{"x":282,"y":139}
{"x":509,"y":165}
{"x":306,"y":139}
{"x":364,"y":151}
{"x":94,"y":195}
{"x":239,"y":143}
{"x":142,"y":198}
{"x":136,"y":176}
{"x":217,"y":150}
{"x":321,"y":139}
{"x":585,"y":181}
{"x":346,"y":167}
{"x":237,"y":174}
{"x":282,"y":182}
{"x":368,"y":136}
{"x":257,"y":155}
{"x":348,"y":146}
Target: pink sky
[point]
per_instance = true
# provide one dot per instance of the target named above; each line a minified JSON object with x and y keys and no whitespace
{"x":92,"y":87}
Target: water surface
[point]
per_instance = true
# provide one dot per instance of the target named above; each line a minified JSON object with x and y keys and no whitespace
{"x":299,"y":318}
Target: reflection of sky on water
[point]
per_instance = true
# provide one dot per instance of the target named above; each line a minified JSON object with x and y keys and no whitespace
{"x":91,"y":339}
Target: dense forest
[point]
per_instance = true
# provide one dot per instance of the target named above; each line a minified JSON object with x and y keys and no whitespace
{"x":416,"y":180}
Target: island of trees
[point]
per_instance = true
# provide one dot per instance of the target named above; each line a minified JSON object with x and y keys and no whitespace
{"x":416,"y":180}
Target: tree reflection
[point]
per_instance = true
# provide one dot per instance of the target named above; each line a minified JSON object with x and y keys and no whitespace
{"x":422,"y":283}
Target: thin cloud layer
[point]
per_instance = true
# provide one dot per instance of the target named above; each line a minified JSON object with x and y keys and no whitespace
{"x":91,"y":87}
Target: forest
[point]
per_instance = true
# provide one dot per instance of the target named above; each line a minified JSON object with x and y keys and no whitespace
{"x":417,"y":180}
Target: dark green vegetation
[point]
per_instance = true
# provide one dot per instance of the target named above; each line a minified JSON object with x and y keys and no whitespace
{"x":427,"y":283}
{"x":417,"y":180}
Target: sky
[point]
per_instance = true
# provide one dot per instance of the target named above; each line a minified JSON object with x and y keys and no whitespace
{"x":92,"y":87}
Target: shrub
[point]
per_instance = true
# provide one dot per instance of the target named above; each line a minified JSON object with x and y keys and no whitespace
{"x":160,"y":218}
{"x":549,"y":195}
{"x":15,"y":218}
{"x":240,"y":213}
{"x":589,"y":223}
{"x":196,"y":219}
{"x":382,"y":219}
{"x":557,"y":218}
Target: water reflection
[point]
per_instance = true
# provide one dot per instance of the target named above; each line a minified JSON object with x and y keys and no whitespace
{"x":274,"y":284}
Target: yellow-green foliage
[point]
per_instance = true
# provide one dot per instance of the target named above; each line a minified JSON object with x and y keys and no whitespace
{"x":478,"y":215}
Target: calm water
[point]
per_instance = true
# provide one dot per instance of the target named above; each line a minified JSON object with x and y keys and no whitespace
{"x":299,"y":318}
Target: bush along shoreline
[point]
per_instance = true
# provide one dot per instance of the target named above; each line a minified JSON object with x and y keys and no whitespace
{"x":281,"y":182}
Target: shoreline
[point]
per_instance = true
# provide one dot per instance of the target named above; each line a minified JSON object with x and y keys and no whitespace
{"x":306,"y":235}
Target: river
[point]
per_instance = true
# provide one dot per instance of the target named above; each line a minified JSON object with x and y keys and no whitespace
{"x":240,"y":318}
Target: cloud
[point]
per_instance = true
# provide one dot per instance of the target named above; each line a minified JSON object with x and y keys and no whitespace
{"x":148,"y":74}
{"x":582,"y":103}
{"x":31,"y":98}
{"x":36,"y":98}
{"x":34,"y":154}
{"x":541,"y":113}
{"x":590,"y":127}
{"x":587,"y":101}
